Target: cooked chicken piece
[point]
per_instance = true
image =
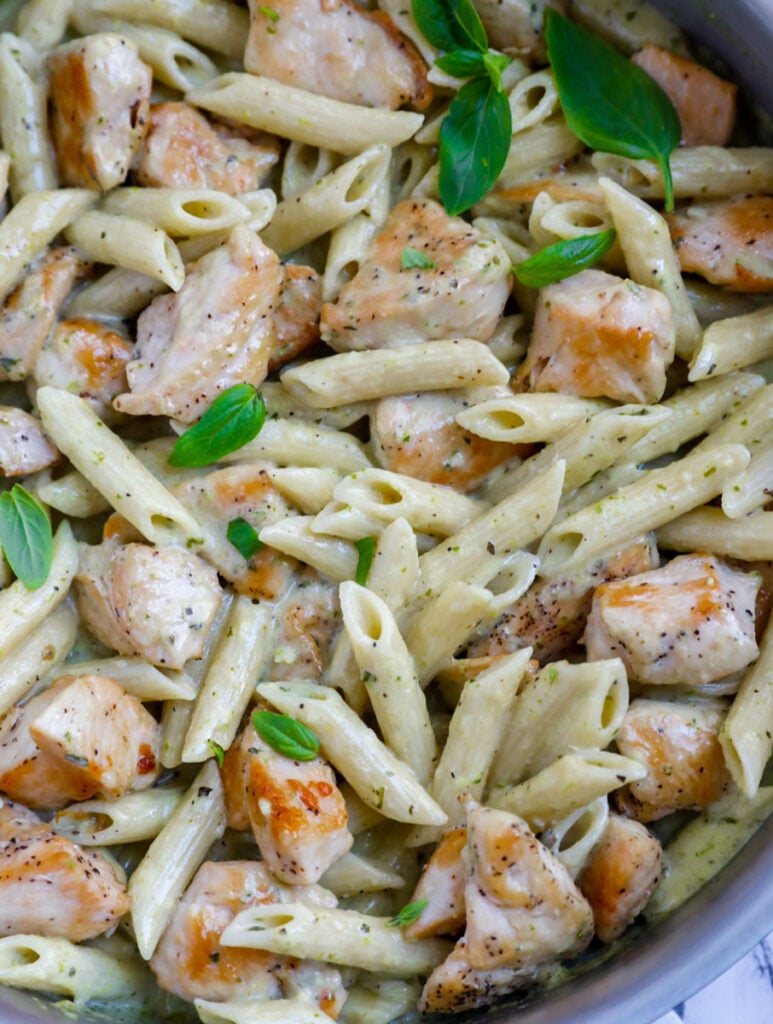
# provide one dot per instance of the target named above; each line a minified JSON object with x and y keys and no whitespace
{"x":244,"y":492}
{"x":679,"y":744}
{"x":523,"y":909}
{"x":49,"y":886}
{"x":296,"y":317}
{"x":690,"y":622}
{"x":597,"y":335}
{"x":307,"y":624}
{"x":85,"y":358}
{"x":296,"y":810}
{"x":705,"y":103}
{"x":99,"y":95}
{"x":551,"y":615}
{"x":184,"y":150}
{"x":190,"y":961}
{"x":30,"y":310}
{"x":516,"y":25}
{"x":461,"y":295}
{"x":456,"y":985}
{"x":24,"y":447}
{"x":728,"y":242}
{"x":442,"y":884}
{"x":418,"y":435}
{"x":215,"y":332}
{"x":336,"y":48}
{"x":139,"y":600}
{"x":620,"y":875}
{"x":83,"y":736}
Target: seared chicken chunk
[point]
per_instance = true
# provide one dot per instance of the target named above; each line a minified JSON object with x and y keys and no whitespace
{"x":24,"y":447}
{"x":442,"y":884}
{"x":516,"y":25}
{"x":706,"y":104}
{"x":679,"y":744}
{"x":551,"y":615}
{"x":308,"y":622}
{"x":85,"y":358}
{"x":336,"y":48}
{"x":461,"y":295}
{"x":729,"y":242}
{"x":296,"y":317}
{"x":139,"y":600}
{"x":190,"y":961}
{"x":418,"y":435}
{"x":600,"y":336}
{"x":83,"y":736}
{"x":99,"y":95}
{"x":690,"y":622}
{"x":244,"y":492}
{"x":49,"y":886}
{"x":296,"y":810}
{"x":30,"y":310}
{"x":216,"y":331}
{"x":184,"y":150}
{"x":620,"y":875}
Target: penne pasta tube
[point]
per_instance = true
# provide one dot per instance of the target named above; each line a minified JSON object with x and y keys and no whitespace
{"x":349,"y":244}
{"x":137,"y":677}
{"x":23,"y":117}
{"x":303,"y":116}
{"x":351,"y":875}
{"x":59,"y":967}
{"x":173,"y":857}
{"x":119,"y":293}
{"x":656,"y":499}
{"x":729,"y":345}
{"x":389,"y":675}
{"x":527,"y":418}
{"x":22,"y":610}
{"x":334,"y":936}
{"x":35,"y":220}
{"x":374,"y":373}
{"x":72,"y":495}
{"x":379,"y":778}
{"x":748,"y":538}
{"x":298,"y":1009}
{"x":532,"y":100}
{"x":218,"y":25}
{"x":295,"y":536}
{"x":303,"y":443}
{"x":340,"y":520}
{"x":37,"y":655}
{"x":303,"y":166}
{"x":181,"y":212}
{"x":567,"y":785}
{"x":44,"y":22}
{"x":130,"y":819}
{"x":308,"y":487}
{"x":130,"y":243}
{"x":374,"y":999}
{"x":544,"y":145}
{"x":751,"y":489}
{"x":572,"y":839}
{"x":329,"y":202}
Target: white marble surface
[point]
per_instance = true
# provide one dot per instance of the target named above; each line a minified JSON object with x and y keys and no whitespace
{"x":742,"y":995}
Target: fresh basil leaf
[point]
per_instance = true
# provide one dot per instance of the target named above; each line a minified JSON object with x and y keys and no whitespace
{"x":414,"y":258}
{"x":563,"y":259}
{"x":366,"y":547}
{"x":285,"y":735}
{"x":217,"y":752}
{"x":450,"y":24}
{"x":411,"y":912}
{"x":610,"y":103}
{"x":463,"y":63}
{"x":495,"y":64}
{"x":244,"y":537}
{"x":25,"y":536}
{"x":233,"y":420}
{"x":474,"y":143}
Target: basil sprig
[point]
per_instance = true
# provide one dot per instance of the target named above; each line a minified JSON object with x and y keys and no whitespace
{"x":476,"y":132}
{"x":25,"y":536}
{"x":609,"y":102}
{"x":555,"y":262}
{"x":233,"y":420}
{"x":366,"y":547}
{"x":285,"y":735}
{"x":411,"y":912}
{"x":244,"y":537}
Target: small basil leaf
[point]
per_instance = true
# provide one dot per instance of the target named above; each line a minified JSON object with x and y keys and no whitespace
{"x":233,"y":420}
{"x":25,"y":536}
{"x":243,"y":537}
{"x":411,"y":912}
{"x":285,"y":735}
{"x":463,"y":63}
{"x":495,"y":64}
{"x":474,"y":143}
{"x":414,"y":258}
{"x":366,"y":547}
{"x":610,"y":103}
{"x":217,"y":752}
{"x":450,"y":24}
{"x":563,"y":259}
